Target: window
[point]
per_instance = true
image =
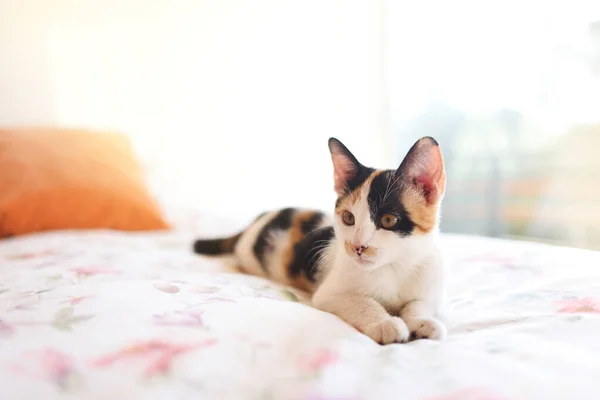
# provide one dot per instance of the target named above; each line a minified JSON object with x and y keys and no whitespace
{"x":512,"y":93}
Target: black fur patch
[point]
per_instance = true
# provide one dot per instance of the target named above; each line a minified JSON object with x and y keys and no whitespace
{"x":352,"y":184}
{"x":307,"y":252}
{"x":312,"y":223}
{"x":384,"y":198}
{"x":282,"y":221}
{"x":216,"y":246}
{"x":220,"y":245}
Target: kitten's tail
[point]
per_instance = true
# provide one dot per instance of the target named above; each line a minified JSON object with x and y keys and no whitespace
{"x":216,"y":246}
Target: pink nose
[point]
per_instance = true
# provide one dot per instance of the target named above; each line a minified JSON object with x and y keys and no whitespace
{"x":359,"y":249}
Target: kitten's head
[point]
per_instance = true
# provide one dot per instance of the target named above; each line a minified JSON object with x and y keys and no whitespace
{"x":379,"y":213}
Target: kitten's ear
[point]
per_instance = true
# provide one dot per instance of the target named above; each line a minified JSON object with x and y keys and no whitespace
{"x":423,"y":168}
{"x":345,"y":165}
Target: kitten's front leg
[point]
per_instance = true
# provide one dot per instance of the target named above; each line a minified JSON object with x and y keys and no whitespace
{"x":366,"y":315}
{"x":419,"y":317}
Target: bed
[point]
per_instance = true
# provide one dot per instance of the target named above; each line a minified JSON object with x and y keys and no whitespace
{"x":104,"y":314}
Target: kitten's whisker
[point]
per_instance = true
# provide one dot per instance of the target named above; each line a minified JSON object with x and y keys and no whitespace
{"x":391,"y":187}
{"x":318,"y":252}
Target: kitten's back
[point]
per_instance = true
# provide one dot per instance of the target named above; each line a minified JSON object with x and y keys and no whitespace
{"x":283,"y":245}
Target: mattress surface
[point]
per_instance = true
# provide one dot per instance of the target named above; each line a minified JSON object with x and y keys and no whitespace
{"x":99,"y":314}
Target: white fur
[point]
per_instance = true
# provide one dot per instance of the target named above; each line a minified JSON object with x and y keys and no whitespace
{"x":363,"y":229}
{"x":405,"y":279}
{"x":244,"y":249}
{"x":280,"y":241}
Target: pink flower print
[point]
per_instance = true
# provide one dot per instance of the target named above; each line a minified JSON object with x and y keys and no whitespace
{"x":161,"y":365}
{"x":217,"y":300}
{"x":29,"y":293}
{"x":140,"y":348}
{"x":26,"y":304}
{"x":180,"y":318}
{"x":206,"y":289}
{"x":6,"y":330}
{"x":91,"y":271}
{"x":29,"y":256}
{"x":318,"y":360}
{"x":73,"y":300}
{"x":583,"y":305}
{"x":47,"y":364}
{"x":167,"y":288}
{"x":468,"y":394}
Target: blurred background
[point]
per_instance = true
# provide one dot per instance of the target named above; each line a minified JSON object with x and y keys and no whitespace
{"x":230,"y":103}
{"x":512,"y":91}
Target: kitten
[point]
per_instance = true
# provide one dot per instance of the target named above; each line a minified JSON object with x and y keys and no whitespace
{"x":376,"y":263}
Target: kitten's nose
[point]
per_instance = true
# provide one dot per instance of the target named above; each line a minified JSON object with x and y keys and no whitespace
{"x":359,"y":249}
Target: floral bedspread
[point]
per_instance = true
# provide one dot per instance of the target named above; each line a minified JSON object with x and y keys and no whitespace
{"x":106,"y":315}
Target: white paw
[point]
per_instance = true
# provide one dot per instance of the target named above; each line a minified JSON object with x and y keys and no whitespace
{"x":426,"y":328}
{"x":390,"y":330}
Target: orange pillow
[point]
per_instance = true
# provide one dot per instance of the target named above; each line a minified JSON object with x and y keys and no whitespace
{"x":53,"y":179}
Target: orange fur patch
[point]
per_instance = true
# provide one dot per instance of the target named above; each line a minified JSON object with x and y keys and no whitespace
{"x":425,"y":216}
{"x":424,"y":213}
{"x":228,"y":245}
{"x":296,"y":235}
{"x":350,"y":199}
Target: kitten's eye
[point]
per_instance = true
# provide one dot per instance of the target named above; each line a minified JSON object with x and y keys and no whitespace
{"x":388,"y":221}
{"x":348,"y":218}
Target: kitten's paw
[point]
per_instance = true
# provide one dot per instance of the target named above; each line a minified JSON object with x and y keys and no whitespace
{"x":390,"y":330}
{"x":426,"y":328}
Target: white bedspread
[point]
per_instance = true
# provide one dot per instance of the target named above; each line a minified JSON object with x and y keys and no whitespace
{"x":104,"y":315}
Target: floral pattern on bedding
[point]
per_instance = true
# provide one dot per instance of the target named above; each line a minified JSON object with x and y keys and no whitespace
{"x":107,"y":314}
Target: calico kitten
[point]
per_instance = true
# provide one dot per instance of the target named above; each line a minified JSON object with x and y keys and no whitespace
{"x":376,"y":263}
